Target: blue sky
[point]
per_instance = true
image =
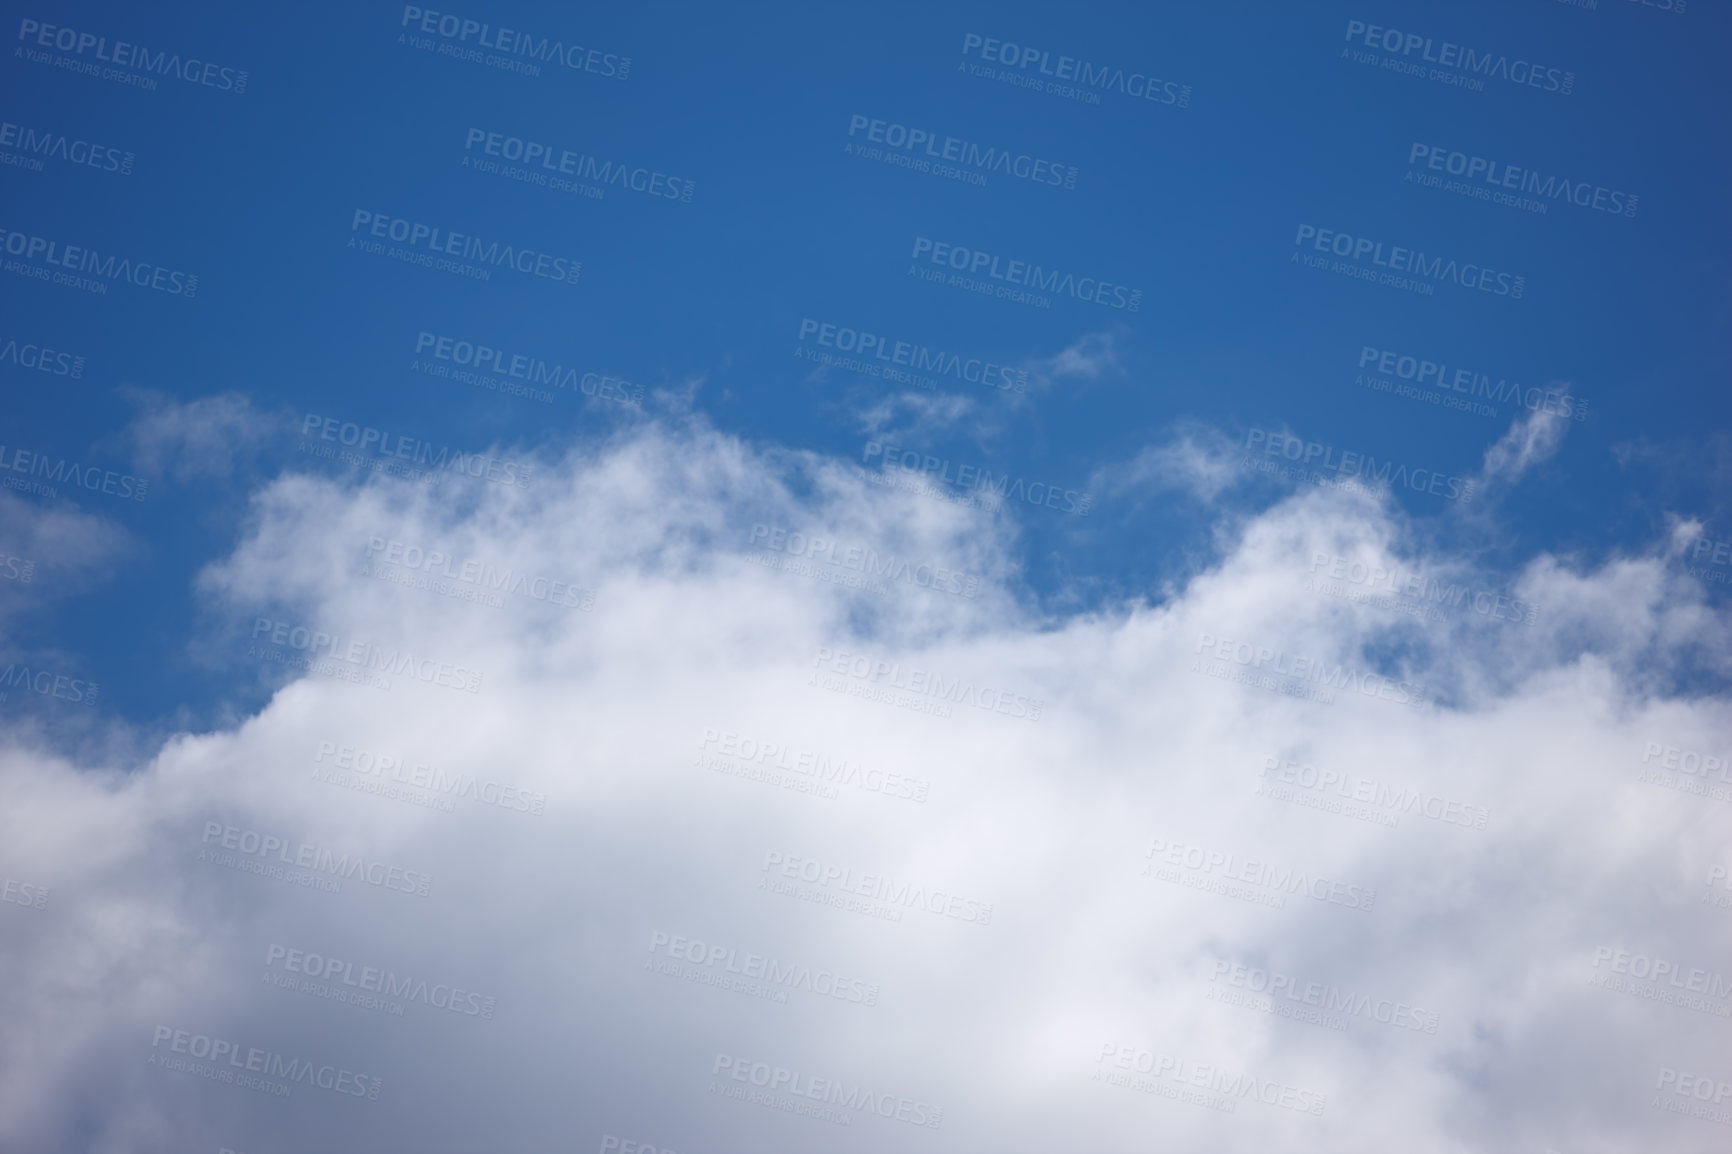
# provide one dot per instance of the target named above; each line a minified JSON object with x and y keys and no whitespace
{"x":1196,"y":206}
{"x":1288,"y":161}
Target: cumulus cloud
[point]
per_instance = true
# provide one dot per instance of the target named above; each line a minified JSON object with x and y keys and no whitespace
{"x":1339,"y":842}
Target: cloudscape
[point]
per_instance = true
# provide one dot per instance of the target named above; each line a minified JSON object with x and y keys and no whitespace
{"x":789,"y":580}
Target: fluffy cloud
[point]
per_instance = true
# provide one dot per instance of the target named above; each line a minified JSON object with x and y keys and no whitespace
{"x":1200,"y":461}
{"x":48,"y":552}
{"x":202,"y":438}
{"x":1344,"y":815}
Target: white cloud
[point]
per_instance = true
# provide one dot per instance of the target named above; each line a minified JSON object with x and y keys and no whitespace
{"x":48,"y":551}
{"x":1199,"y":461}
{"x":1145,"y":732}
{"x":914,"y":415}
{"x":201,"y":438}
{"x":1533,"y":438}
{"x":1093,"y":356}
